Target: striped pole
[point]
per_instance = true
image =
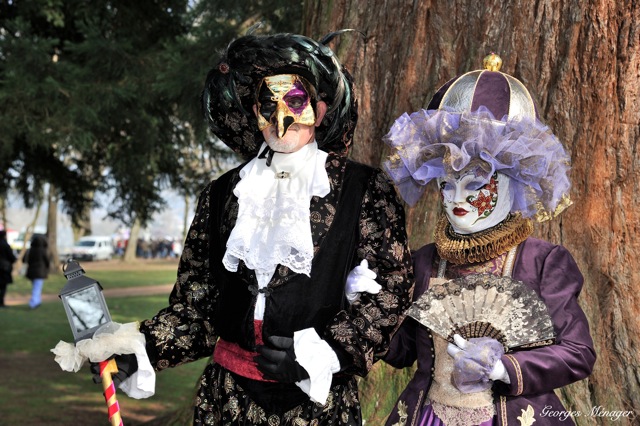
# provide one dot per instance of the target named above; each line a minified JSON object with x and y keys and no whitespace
{"x":106,"y":369}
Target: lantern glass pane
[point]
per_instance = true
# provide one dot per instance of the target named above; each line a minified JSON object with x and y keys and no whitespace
{"x":86,"y":311}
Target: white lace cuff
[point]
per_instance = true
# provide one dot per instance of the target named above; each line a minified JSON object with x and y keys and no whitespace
{"x":321,"y":362}
{"x":112,"y":339}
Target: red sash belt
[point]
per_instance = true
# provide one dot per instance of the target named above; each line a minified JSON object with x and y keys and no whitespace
{"x":238,"y":360}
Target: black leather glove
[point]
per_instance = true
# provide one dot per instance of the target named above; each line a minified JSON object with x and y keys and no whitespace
{"x":127,"y":365}
{"x":280,"y":363}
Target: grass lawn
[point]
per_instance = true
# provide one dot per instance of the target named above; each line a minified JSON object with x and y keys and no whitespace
{"x":35,"y":391}
{"x":110,"y":274}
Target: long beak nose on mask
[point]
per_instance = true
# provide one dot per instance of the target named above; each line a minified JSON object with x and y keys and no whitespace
{"x":283,"y":119}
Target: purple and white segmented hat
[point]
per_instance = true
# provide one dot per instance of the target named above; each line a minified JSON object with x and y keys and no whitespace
{"x":504,"y":95}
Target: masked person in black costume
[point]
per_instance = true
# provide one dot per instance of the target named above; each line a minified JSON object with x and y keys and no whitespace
{"x":261,"y":281}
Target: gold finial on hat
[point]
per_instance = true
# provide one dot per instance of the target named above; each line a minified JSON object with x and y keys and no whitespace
{"x":492,"y":62}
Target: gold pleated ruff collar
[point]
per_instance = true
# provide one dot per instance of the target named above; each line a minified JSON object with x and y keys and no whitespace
{"x":480,"y":246}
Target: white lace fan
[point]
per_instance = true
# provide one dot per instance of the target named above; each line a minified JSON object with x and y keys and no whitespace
{"x":485,"y":305}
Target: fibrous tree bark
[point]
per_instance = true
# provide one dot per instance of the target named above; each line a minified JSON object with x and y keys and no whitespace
{"x":581,"y":61}
{"x":83,"y":226}
{"x":52,"y":227}
{"x":131,"y":250}
{"x":28,"y":233}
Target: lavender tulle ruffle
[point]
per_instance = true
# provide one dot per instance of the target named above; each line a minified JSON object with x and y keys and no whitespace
{"x":430,"y":144}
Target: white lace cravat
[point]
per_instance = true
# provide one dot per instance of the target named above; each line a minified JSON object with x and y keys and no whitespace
{"x":273,"y":225}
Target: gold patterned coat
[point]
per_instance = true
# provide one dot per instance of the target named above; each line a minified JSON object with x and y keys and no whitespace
{"x":187,"y":329}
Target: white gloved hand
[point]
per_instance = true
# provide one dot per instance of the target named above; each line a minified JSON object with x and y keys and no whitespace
{"x":112,"y":339}
{"x":320,"y":362}
{"x":361,"y":279}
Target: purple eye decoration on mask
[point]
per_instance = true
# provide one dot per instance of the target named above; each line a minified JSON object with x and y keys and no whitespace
{"x":297,"y":98}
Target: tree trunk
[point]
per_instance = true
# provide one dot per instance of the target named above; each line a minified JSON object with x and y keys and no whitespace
{"x":185,"y":219}
{"x":130,"y":251}
{"x":83,"y":226}
{"x":580,"y":59}
{"x":27,"y":237}
{"x":3,"y":211}
{"x":52,"y":228}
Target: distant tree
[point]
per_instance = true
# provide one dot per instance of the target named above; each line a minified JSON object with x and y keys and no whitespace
{"x":187,"y":59}
{"x":103,"y":97}
{"x":78,"y":106}
{"x":52,"y":229}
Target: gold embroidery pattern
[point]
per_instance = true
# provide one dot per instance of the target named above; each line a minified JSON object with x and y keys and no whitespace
{"x":418,"y":408}
{"x":503,"y":410}
{"x":365,"y":330}
{"x":516,"y":365}
{"x":542,"y":214}
{"x":231,"y":404}
{"x":527,"y":419}
{"x":402,"y":414}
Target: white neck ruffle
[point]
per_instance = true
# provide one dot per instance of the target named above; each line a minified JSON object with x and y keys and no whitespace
{"x":273,"y":224}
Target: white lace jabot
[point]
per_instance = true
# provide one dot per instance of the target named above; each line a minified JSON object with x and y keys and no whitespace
{"x":273,"y":214}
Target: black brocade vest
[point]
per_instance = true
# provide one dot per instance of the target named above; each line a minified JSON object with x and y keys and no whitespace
{"x":301,"y":302}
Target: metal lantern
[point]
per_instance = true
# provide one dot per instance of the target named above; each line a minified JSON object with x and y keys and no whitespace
{"x":83,"y":302}
{"x":86,"y":311}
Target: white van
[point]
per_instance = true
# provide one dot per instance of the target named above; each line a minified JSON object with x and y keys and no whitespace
{"x":93,"y":248}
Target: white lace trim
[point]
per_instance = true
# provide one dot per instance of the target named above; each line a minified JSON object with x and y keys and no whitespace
{"x":462,"y":416}
{"x":274,"y":231}
{"x":273,"y":214}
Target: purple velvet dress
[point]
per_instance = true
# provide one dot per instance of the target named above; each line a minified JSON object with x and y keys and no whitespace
{"x":534,"y":373}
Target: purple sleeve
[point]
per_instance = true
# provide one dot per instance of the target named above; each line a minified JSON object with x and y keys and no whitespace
{"x":403,"y":351}
{"x":552,"y":272}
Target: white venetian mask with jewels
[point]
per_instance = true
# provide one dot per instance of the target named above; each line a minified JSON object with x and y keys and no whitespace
{"x":474,"y":201}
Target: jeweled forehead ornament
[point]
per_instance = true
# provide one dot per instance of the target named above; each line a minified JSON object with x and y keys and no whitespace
{"x":283,"y":100}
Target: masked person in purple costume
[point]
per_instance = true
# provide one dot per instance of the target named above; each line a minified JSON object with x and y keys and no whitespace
{"x":261,"y":280}
{"x":498,"y":169}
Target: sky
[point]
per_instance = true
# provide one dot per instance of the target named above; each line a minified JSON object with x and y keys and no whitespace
{"x":166,"y":223}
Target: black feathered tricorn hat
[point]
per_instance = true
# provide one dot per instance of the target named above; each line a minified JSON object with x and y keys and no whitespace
{"x":229,"y":92}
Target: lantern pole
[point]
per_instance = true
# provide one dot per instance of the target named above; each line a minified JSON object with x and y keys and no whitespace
{"x":87,"y":311}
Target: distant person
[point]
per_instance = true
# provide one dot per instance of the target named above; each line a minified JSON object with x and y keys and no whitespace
{"x":38,"y":259}
{"x":121,"y":246}
{"x":176,"y":249}
{"x":7,"y":259}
